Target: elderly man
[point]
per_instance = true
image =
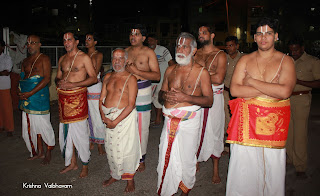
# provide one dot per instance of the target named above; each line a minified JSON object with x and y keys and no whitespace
{"x":186,"y":88}
{"x":35,"y":101}
{"x":75,"y":73}
{"x":118,"y":111}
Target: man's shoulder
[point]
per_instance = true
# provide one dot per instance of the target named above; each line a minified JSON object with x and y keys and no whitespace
{"x":309,"y":57}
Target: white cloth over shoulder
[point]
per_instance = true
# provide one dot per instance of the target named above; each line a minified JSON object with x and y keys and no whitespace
{"x":256,"y":171}
{"x":182,"y":162}
{"x":122,"y":143}
{"x":212,"y":138}
{"x":39,"y":124}
{"x":76,"y":134}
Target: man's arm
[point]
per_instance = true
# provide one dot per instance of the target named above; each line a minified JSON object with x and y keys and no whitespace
{"x":311,"y":84}
{"x":175,"y":96}
{"x":281,"y":90}
{"x":133,"y":91}
{"x":59,"y":72}
{"x":218,"y":76}
{"x":153,"y":74}
{"x":98,"y":62}
{"x":103,"y":95}
{"x":46,"y":71}
{"x":237,"y":87}
{"x":165,"y":86}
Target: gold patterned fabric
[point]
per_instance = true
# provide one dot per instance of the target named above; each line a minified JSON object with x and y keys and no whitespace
{"x":259,"y":122}
{"x":73,"y":105}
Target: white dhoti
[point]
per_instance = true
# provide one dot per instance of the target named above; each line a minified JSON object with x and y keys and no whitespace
{"x":177,"y":150}
{"x":76,"y":134}
{"x":96,"y":126}
{"x":212,"y":127}
{"x":32,"y":125}
{"x":122,"y":145}
{"x":256,"y":171}
{"x":156,"y":87}
{"x":143,"y":105}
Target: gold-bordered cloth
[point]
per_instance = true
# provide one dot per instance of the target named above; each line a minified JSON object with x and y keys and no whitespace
{"x":73,"y":105}
{"x":259,"y":122}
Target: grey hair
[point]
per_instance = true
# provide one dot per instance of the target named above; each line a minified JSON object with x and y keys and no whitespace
{"x":121,"y":49}
{"x":186,"y":35}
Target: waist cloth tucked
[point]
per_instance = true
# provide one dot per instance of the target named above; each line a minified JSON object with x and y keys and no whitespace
{"x":177,"y":149}
{"x":259,"y":122}
{"x":212,"y":127}
{"x":39,"y":103}
{"x":122,"y":143}
{"x":96,"y":126}
{"x":73,"y":105}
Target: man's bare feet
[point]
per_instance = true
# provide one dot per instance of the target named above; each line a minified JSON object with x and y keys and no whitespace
{"x":108,"y":182}
{"x":142,"y":167}
{"x":84,"y":171}
{"x":68,"y":168}
{"x":101,"y":150}
{"x":216,"y":179}
{"x":130,"y":186}
{"x":47,"y":158}
{"x":91,"y":146}
{"x":40,"y":156}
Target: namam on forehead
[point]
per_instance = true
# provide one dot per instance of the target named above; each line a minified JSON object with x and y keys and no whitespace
{"x":33,"y":38}
{"x":68,"y":36}
{"x":135,"y":31}
{"x":264,"y":29}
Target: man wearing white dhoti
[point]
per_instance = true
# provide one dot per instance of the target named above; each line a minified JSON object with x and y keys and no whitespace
{"x":212,"y":128}
{"x":96,"y":126}
{"x":118,"y":112}
{"x":35,"y":102}
{"x":186,"y":88}
{"x":258,"y":128}
{"x":75,"y":72}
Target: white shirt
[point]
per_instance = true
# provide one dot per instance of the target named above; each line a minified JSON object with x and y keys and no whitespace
{"x":163,"y":56}
{"x":5,"y":64}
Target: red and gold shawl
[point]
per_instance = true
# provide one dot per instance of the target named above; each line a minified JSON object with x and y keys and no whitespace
{"x":73,"y":105}
{"x":259,"y":122}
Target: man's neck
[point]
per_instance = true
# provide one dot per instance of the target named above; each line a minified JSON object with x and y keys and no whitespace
{"x":91,"y":50}
{"x":35,"y":54}
{"x":233,"y":56}
{"x":138,"y":46}
{"x":266,"y":53}
{"x":208,"y":48}
{"x":73,"y":52}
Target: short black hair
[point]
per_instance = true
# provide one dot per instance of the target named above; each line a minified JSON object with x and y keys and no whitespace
{"x":152,"y":35}
{"x":232,"y":38}
{"x":141,"y":27}
{"x":2,"y":43}
{"x":210,"y":28}
{"x":272,"y":23}
{"x":94,"y":35}
{"x":297,"y":40}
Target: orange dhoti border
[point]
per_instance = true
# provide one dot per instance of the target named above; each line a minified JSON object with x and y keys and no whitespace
{"x":73,"y":105}
{"x":259,"y":122}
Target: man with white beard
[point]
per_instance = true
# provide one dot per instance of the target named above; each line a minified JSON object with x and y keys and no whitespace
{"x":185,"y":89}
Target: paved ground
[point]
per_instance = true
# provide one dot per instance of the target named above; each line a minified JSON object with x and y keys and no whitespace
{"x":16,"y":170}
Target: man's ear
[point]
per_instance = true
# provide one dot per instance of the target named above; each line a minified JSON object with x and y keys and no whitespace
{"x":212,"y":36}
{"x":95,"y":42}
{"x":194,"y":51}
{"x":143,"y":38}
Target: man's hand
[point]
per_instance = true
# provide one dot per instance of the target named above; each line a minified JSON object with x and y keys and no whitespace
{"x":247,"y":79}
{"x":109,"y":123}
{"x":175,"y":96}
{"x":65,"y":85}
{"x":24,"y":96}
{"x":132,"y":68}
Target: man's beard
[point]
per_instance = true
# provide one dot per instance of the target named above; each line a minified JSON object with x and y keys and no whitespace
{"x":183,"y":61}
{"x":204,"y":43}
{"x":118,"y":70}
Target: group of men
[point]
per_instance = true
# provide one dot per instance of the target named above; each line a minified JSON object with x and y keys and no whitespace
{"x":192,"y":93}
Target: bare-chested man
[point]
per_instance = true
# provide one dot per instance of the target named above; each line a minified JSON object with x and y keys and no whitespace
{"x":186,"y":88}
{"x":143,"y":63}
{"x":118,"y":111}
{"x":75,"y":73}
{"x":35,"y":101}
{"x":97,"y":132}
{"x":212,"y":131}
{"x":262,"y":80}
